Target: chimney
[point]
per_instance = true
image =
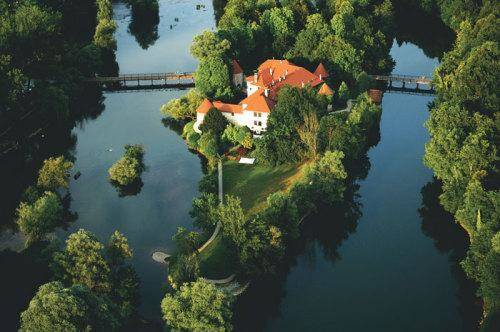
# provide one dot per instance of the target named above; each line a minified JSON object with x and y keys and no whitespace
{"x":286,"y":72}
{"x":255,"y":77}
{"x":320,"y":77}
{"x":266,"y":92}
{"x":271,"y":71}
{"x":302,"y":83}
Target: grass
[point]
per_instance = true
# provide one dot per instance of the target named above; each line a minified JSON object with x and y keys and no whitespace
{"x":217,"y":261}
{"x":253,"y":183}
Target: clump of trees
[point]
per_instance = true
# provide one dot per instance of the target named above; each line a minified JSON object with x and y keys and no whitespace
{"x":128,"y":169}
{"x":183,"y":108}
{"x":463,"y":149}
{"x":96,"y":288}
{"x":41,"y":209}
{"x":198,"y":306}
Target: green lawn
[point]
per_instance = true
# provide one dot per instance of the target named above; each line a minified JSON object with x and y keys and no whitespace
{"x":217,"y":261}
{"x":253,"y":183}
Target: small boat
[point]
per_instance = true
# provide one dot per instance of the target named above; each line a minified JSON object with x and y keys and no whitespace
{"x":77,"y":175}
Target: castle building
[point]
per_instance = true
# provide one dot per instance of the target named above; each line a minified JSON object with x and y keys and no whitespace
{"x":262,"y":88}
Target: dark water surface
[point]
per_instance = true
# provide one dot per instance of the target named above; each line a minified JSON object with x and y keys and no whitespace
{"x":387,"y":275}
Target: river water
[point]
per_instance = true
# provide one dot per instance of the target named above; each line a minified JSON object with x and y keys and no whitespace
{"x":376,"y":271}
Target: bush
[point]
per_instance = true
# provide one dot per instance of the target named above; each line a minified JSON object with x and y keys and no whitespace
{"x":128,"y":168}
{"x":54,"y":173}
{"x":183,"y":108}
{"x":39,"y":218}
{"x":238,"y":135}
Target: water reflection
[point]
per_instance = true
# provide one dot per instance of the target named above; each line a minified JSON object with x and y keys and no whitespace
{"x":144,"y":24}
{"x":450,"y":239}
{"x":322,"y":234}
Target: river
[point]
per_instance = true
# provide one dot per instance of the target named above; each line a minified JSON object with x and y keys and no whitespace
{"x":380,"y":269}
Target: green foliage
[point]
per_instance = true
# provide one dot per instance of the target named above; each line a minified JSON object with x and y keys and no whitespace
{"x":282,"y":143}
{"x":209,"y":45}
{"x":128,"y":168}
{"x":38,"y":219}
{"x":186,"y":241}
{"x":238,"y":135}
{"x":106,"y":26}
{"x":204,"y":211}
{"x":183,"y":108}
{"x":213,"y":78}
{"x":326,"y":177}
{"x":82,"y":262}
{"x":198,"y":306}
{"x":208,"y":145}
{"x":343,"y":93}
{"x":463,"y":125}
{"x":54,"y":173}
{"x":104,"y":270}
{"x":55,"y":308}
{"x":208,"y":183}
{"x":183,"y":268}
{"x":335,"y":133}
{"x":231,"y":216}
{"x":214,"y":121}
{"x":279,"y":26}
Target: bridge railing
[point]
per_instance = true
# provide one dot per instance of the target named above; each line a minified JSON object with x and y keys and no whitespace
{"x":139,"y":77}
{"x":403,"y":78}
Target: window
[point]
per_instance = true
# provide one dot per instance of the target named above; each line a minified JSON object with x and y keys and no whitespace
{"x":255,"y":114}
{"x":255,"y":123}
{"x":260,"y":123}
{"x":232,"y":114}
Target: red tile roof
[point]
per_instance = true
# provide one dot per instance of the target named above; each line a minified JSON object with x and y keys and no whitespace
{"x":205,"y":106}
{"x":272,"y":75}
{"x":237,"y":68}
{"x":325,"y":90}
{"x":321,"y":70}
{"x":258,"y":102}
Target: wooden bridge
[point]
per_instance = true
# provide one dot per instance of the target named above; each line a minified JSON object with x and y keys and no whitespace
{"x":406,"y":83}
{"x":145,"y":81}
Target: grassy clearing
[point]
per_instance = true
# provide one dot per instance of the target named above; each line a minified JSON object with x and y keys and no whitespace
{"x":253,"y":183}
{"x":217,"y":261}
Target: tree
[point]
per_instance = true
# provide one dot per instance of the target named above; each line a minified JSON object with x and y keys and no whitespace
{"x":238,"y":135}
{"x":82,"y":262}
{"x":183,"y":268}
{"x":232,"y":218}
{"x":209,"y":45}
{"x":343,"y":93}
{"x":55,"y":308}
{"x":214,"y":121}
{"x":326,"y":178}
{"x":54,"y":173}
{"x":183,"y":108}
{"x":213,"y":78}
{"x":198,"y":306}
{"x":279,"y":25}
{"x":39,"y":218}
{"x":308,"y":133}
{"x":204,"y":211}
{"x":128,"y":168}
{"x":208,"y":145}
{"x":104,"y":34}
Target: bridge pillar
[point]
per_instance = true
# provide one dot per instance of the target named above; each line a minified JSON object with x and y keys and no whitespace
{"x":418,"y":86}
{"x":404,"y":83}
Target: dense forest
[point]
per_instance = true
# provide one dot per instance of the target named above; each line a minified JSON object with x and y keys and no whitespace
{"x":464,"y":124}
